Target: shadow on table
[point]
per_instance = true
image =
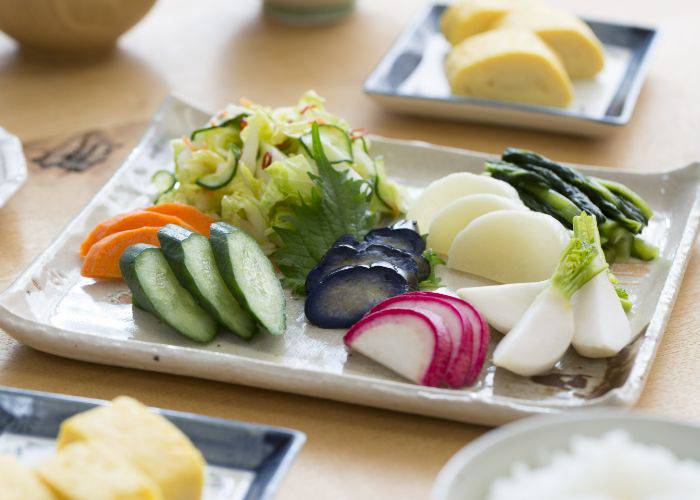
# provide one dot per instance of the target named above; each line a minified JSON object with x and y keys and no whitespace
{"x":43,"y":96}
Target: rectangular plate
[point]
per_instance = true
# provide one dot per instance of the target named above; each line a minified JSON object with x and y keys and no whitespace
{"x":244,"y":461}
{"x":411,"y":78}
{"x":52,"y":308}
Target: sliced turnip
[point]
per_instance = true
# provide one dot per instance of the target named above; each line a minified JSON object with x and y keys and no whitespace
{"x":540,"y":338}
{"x":451,"y":219}
{"x":509,"y":246}
{"x":471,"y":366}
{"x":601,"y":325}
{"x":459,"y":329}
{"x":545,"y":331}
{"x":443,"y":191}
{"x":503,"y":305}
{"x":413,"y":343}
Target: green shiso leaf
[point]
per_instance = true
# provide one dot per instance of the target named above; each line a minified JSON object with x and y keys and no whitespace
{"x":338,"y":205}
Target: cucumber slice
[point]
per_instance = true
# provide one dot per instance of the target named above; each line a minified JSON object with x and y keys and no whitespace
{"x":232,"y":123}
{"x":224,"y":171}
{"x":219,"y":138}
{"x":192,"y":261}
{"x":363,"y":162}
{"x":336,"y":143}
{"x":155,"y":288}
{"x":164,"y":181}
{"x":249,"y":275}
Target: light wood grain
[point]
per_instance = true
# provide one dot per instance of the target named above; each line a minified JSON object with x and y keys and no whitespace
{"x":226,"y":50}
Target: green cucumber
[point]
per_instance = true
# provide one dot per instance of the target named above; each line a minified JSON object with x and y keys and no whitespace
{"x":155,"y":288}
{"x":192,"y":260}
{"x":364,"y":163}
{"x":232,"y":123}
{"x":224,"y":171}
{"x":336,"y":143}
{"x":164,"y":181}
{"x":249,"y":275}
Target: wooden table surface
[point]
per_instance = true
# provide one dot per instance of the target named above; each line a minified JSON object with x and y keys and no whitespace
{"x":214,"y":53}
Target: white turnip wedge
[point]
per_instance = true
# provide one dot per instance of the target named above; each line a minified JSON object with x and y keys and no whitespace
{"x":480,"y":335}
{"x":601,"y":325}
{"x":503,"y":305}
{"x":443,"y":191}
{"x":546,"y":330}
{"x":451,"y":219}
{"x":411,"y":342}
{"x":459,"y":328}
{"x":509,"y":246}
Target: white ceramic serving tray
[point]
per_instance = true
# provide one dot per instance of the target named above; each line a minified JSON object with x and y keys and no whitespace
{"x":52,"y":308}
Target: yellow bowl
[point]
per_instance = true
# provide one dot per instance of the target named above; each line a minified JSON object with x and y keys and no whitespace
{"x":70,"y":26}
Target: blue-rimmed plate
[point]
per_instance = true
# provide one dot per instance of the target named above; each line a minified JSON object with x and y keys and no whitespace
{"x":411,"y":78}
{"x":245,"y":461}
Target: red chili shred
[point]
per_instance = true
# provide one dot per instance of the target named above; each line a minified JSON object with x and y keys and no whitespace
{"x":306,"y":108}
{"x":356,"y":133}
{"x":267,"y":160}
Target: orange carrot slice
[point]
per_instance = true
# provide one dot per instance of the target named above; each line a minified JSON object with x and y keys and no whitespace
{"x":129,"y":220}
{"x":198,"y":220}
{"x":102,"y":261}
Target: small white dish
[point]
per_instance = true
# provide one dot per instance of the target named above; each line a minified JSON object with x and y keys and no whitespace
{"x":13,"y":166}
{"x":411,"y":79}
{"x":469,"y":474}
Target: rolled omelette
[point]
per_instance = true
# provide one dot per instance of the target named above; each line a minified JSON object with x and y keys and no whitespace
{"x":508,"y":65}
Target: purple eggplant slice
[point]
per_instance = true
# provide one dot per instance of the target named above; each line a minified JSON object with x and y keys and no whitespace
{"x":335,"y":258}
{"x":348,"y":293}
{"x":405,"y":224}
{"x":343,"y":256}
{"x":347,"y":240}
{"x":401,"y":238}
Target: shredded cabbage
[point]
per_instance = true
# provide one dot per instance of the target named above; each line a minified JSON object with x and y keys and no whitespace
{"x":274,"y":171}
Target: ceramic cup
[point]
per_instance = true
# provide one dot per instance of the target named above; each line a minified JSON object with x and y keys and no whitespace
{"x":308,"y":12}
{"x":72,"y":27}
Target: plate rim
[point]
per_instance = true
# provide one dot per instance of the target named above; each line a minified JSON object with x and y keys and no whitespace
{"x":630,"y":100}
{"x":62,"y":342}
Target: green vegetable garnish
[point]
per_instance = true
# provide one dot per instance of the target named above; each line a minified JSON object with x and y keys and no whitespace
{"x":433,"y":281}
{"x":338,"y":205}
{"x":586,"y":229}
{"x":578,"y":265}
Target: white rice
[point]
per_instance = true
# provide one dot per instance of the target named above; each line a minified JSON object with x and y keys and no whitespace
{"x":611,"y":467}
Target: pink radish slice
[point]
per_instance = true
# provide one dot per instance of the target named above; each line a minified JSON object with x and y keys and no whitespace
{"x":412,"y":343}
{"x":481,"y":334}
{"x":459,"y":329}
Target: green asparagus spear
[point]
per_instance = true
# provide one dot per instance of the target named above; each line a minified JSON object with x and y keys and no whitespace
{"x":608,"y":202}
{"x":569,"y":190}
{"x":535,"y":191}
{"x":533,"y":203}
{"x":623,"y":191}
{"x":643,"y":250}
